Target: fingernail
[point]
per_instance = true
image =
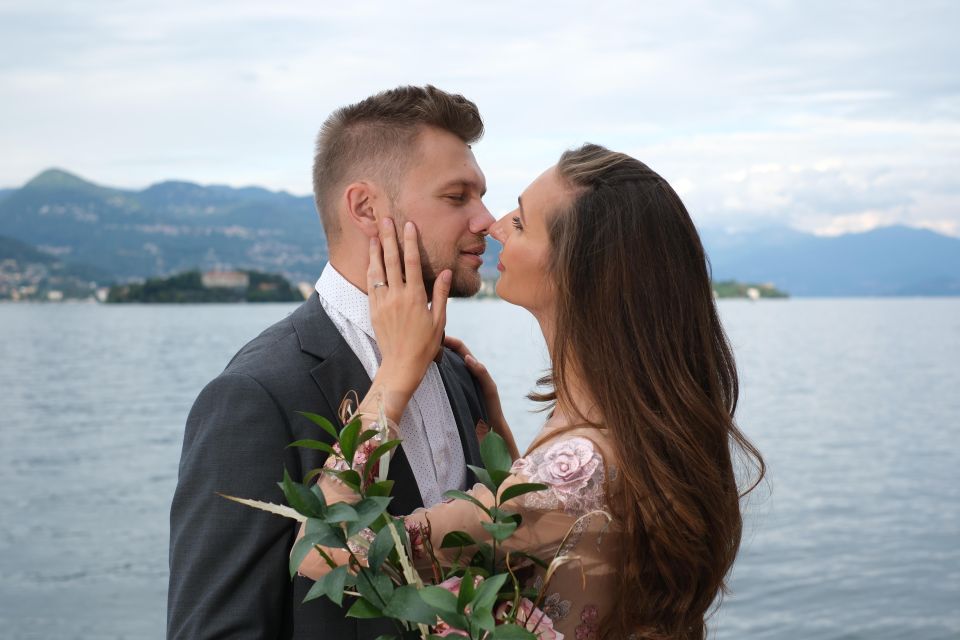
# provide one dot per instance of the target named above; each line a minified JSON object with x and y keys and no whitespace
{"x":373,"y":242}
{"x":408,"y":226}
{"x":387,"y":223}
{"x":470,"y":359}
{"x":446,"y":276}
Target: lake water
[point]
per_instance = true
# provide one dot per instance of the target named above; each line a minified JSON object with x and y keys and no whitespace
{"x":855,"y":404}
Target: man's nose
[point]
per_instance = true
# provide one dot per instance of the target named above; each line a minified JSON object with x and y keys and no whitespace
{"x":482,"y":221}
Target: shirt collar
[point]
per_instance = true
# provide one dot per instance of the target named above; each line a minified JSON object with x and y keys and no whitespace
{"x":348,"y":300}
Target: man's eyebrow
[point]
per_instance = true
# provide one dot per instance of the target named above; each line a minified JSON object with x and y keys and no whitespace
{"x":522,"y":217}
{"x":469,"y":184}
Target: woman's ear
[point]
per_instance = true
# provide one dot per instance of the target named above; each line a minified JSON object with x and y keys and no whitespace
{"x":362,"y":198}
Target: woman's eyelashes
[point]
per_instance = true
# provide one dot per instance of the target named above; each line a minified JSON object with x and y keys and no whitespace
{"x":517,"y":224}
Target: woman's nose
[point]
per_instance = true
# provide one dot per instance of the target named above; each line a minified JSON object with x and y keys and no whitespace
{"x":498,"y":229}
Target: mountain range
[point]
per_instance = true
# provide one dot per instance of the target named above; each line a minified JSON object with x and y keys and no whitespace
{"x":175,"y":226}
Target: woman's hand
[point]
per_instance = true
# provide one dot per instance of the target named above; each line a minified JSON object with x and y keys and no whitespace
{"x":409,"y":332}
{"x":491,"y":396}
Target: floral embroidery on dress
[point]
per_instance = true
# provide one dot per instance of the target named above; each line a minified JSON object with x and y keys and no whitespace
{"x":573,"y":471}
{"x":589,"y":625}
{"x":553,"y":605}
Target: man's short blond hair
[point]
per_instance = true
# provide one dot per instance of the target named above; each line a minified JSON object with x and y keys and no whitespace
{"x":376,"y":138}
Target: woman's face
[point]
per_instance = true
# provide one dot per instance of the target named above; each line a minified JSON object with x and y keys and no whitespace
{"x":524,"y":280}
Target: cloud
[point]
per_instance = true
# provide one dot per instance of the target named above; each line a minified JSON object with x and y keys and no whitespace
{"x":814,"y":114}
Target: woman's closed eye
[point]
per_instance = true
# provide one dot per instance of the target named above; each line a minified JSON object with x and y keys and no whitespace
{"x":517,"y":224}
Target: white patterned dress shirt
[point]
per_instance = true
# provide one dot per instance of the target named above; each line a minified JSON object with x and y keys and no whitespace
{"x":431,"y":440}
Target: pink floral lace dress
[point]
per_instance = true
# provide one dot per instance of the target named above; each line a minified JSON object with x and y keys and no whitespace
{"x":568,"y":518}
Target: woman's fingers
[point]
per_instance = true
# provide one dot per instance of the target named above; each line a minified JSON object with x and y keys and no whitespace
{"x":391,"y":253}
{"x":411,"y":258}
{"x":375,"y":274}
{"x":441,"y":292}
{"x":457,"y":345}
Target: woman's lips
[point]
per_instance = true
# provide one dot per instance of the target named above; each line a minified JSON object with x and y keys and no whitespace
{"x":499,"y":266}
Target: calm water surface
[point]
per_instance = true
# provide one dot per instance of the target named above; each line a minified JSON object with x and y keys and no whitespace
{"x":855,"y":404}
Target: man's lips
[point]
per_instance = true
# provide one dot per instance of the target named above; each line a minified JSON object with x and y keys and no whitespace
{"x":474,"y":254}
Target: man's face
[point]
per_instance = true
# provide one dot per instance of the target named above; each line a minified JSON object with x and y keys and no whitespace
{"x":441,"y":193}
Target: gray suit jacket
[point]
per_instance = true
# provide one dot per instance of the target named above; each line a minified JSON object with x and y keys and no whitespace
{"x":228,"y":563}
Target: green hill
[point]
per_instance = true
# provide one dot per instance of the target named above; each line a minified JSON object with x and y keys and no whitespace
{"x":26,"y":273}
{"x":189,"y":287}
{"x":167,"y":228}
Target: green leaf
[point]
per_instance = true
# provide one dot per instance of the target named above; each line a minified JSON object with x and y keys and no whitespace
{"x":483,"y":477}
{"x":313,"y":444}
{"x":461,"y":495}
{"x":382,"y":545}
{"x":445,"y":605}
{"x":368,"y":510}
{"x":364,"y":609}
{"x":499,"y":530}
{"x":483,"y":557}
{"x":456,"y":539}
{"x":466,"y":591}
{"x":483,"y":618}
{"x":317,"y":491}
{"x":321,"y":422}
{"x":498,"y":476}
{"x":366,"y":435}
{"x":406,"y":604}
{"x":382,"y":488}
{"x":375,"y":587}
{"x":440,"y":599}
{"x":348,"y":441}
{"x":510,"y":631}
{"x":327,"y":535}
{"x":376,"y":454}
{"x":313,"y":473}
{"x":330,"y":585}
{"x":340,"y":512}
{"x":486,"y":594}
{"x":300,"y":498}
{"x":517,"y":490}
{"x":301,"y":549}
{"x":494,"y":452}
{"x":348,"y":477}
{"x":385,"y":637}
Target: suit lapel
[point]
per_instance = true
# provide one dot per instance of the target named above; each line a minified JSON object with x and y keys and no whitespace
{"x":462,"y":414}
{"x":339,"y":371}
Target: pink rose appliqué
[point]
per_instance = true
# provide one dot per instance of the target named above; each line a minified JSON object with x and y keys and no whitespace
{"x":568,"y":465}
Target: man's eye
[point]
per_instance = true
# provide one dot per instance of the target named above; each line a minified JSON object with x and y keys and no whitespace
{"x":457,"y":197}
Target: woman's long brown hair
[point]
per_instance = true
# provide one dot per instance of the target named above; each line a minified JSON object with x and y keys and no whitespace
{"x":636,"y":321}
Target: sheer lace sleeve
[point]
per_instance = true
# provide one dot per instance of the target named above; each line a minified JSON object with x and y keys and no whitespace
{"x":573,"y":471}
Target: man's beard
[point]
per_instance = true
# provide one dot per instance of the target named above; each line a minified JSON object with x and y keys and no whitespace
{"x":466,"y":281}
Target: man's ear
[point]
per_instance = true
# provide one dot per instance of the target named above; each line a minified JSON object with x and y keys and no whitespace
{"x":363,"y":201}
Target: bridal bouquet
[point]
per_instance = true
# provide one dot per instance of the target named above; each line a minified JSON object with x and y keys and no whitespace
{"x":481,"y":596}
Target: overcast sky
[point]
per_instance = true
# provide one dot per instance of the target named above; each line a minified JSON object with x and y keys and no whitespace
{"x":826,"y":116}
